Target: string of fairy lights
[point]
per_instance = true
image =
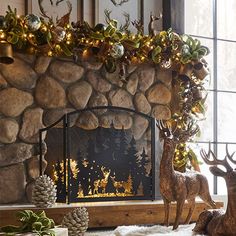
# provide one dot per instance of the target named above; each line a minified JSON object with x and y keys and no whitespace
{"x":114,"y":47}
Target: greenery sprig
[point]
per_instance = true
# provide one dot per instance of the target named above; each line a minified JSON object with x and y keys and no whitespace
{"x":33,"y":222}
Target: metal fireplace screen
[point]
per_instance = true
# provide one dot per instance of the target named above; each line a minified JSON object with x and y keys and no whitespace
{"x":102,"y":153}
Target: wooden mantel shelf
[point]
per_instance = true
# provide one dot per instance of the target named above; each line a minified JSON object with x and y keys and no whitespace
{"x":108,"y":214}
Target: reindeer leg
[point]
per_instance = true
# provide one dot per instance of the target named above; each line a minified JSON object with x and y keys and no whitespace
{"x":167,"y":210}
{"x":179,"y":209}
{"x":191,"y":203}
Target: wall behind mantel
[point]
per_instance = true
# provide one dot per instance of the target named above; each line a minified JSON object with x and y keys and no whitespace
{"x":18,"y":4}
{"x":136,"y":8}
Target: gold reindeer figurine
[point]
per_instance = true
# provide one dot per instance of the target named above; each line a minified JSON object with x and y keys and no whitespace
{"x":218,"y":222}
{"x":177,"y":186}
{"x":151,"y":27}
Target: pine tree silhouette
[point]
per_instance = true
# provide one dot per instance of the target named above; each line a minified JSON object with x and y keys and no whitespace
{"x":73,"y":185}
{"x":133,"y":163}
{"x":83,"y":170}
{"x":124,"y":168}
{"x":123,"y":142}
{"x":109,"y":156}
{"x":142,"y":176}
{"x":143,"y":162}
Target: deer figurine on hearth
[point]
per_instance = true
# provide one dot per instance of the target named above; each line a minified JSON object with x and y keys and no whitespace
{"x":218,"y":222}
{"x":177,"y":186}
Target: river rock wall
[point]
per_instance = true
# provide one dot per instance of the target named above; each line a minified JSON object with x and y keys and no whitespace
{"x":35,"y":91}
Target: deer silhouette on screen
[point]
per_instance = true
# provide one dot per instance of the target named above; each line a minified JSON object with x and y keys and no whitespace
{"x":122,"y":185}
{"x":218,"y":222}
{"x":177,"y":186}
{"x":101,"y":183}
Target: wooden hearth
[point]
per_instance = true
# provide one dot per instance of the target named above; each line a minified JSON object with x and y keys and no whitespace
{"x":109,"y":214}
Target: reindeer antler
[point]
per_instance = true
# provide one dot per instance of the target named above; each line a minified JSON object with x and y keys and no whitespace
{"x":66,"y":18}
{"x":58,"y":1}
{"x":179,"y":135}
{"x":120,"y":3}
{"x":127,"y":22}
{"x":206,"y":157}
{"x":230,"y":157}
{"x":138,"y":25}
{"x":42,"y":11}
{"x":164,"y":127}
{"x":183,"y":134}
{"x":188,"y":132}
{"x":107,"y":14}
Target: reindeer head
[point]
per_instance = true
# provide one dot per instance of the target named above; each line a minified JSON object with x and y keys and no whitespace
{"x":105,"y":172}
{"x":229,"y":175}
{"x":175,"y":133}
{"x":154,"y":18}
{"x":53,"y":18}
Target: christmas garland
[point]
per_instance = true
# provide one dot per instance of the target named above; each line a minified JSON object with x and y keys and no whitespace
{"x":118,"y":46}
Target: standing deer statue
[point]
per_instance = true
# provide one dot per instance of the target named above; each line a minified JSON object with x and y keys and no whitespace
{"x":101,"y":183}
{"x":218,"y":222}
{"x":177,"y":186}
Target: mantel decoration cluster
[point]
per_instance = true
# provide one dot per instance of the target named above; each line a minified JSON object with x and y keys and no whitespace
{"x":117,"y":46}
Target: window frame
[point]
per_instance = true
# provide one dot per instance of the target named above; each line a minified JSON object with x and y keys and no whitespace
{"x":174,"y":15}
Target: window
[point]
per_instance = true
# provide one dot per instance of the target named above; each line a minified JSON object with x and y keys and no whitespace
{"x":212,"y":21}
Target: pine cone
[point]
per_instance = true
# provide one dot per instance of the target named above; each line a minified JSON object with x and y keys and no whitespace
{"x":44,"y":192}
{"x":76,"y":221}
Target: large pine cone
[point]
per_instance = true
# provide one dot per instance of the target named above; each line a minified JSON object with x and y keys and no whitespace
{"x":44,"y":192}
{"x":76,"y":221}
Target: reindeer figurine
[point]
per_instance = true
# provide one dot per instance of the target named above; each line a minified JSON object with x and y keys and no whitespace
{"x":151,"y":27}
{"x":177,"y":186}
{"x":101,"y":183}
{"x":218,"y":222}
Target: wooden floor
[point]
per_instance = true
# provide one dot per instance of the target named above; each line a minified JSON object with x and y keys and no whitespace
{"x":108,"y":214}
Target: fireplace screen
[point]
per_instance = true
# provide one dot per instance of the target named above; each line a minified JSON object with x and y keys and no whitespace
{"x":103,"y":153}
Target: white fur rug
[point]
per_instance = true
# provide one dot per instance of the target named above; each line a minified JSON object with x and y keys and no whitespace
{"x":157,"y":230}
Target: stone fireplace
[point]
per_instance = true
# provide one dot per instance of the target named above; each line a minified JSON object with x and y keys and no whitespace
{"x":36,"y":91}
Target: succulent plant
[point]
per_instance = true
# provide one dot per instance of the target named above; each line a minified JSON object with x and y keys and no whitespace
{"x":33,"y":222}
{"x":192,"y":49}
